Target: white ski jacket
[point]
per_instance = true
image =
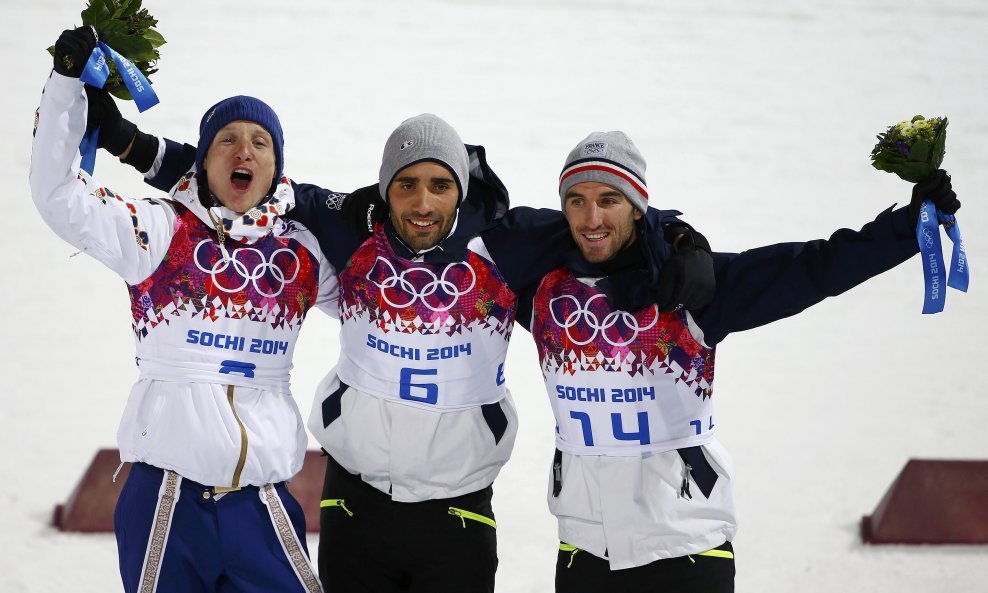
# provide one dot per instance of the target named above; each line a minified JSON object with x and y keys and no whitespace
{"x":215,"y":316}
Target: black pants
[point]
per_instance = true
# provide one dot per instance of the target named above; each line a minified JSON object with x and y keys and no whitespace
{"x":582,"y":572}
{"x":369,"y":543}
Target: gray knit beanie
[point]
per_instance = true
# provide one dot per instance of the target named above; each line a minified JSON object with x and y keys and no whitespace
{"x":607,"y":157}
{"x":424,"y":138}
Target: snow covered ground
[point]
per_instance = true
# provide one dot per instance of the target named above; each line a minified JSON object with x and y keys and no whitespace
{"x":756,"y":118}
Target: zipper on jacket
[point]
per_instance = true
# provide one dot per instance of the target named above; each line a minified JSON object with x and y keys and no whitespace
{"x":572,"y":552}
{"x":684,"y":488}
{"x":243,"y":447}
{"x":154,"y":414}
{"x":335,"y":502}
{"x":557,"y":473}
{"x":464,"y":515}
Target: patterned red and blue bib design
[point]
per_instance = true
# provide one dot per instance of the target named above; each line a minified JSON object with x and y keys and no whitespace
{"x":577,"y":331}
{"x":273,"y":280}
{"x":424,"y":298}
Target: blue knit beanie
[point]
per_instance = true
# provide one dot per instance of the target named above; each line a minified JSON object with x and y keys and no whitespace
{"x":244,"y":108}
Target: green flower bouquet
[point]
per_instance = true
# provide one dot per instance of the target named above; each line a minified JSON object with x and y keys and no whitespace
{"x":130,"y":30}
{"x":912,"y":149}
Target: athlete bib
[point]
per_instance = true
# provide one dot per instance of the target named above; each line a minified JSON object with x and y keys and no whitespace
{"x":424,"y":334}
{"x":620,"y":383}
{"x":228,"y":316}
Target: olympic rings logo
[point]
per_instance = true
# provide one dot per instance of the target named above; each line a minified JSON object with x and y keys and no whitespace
{"x":406,"y":293}
{"x":589,"y":318}
{"x":262,"y":266}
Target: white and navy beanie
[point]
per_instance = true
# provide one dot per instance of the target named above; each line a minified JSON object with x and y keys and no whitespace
{"x":424,"y":138}
{"x":610,"y":158}
{"x":243,"y":108}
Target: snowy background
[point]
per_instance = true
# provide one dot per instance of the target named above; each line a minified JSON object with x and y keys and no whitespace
{"x":756,"y":119}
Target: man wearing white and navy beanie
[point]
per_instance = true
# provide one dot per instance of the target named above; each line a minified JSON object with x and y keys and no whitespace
{"x":610,"y":158}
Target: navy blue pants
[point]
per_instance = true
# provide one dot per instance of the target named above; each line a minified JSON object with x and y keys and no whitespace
{"x":177,"y":536}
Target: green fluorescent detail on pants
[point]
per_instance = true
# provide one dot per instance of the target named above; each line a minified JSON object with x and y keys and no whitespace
{"x":572,"y":552}
{"x":464,"y":515}
{"x":335,"y":502}
{"x":714,"y":553}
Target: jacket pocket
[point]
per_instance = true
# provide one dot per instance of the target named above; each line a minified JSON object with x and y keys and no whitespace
{"x":697,"y":467}
{"x":332,"y":406}
{"x":496,"y":420}
{"x":149,"y":420}
{"x":557,"y":473}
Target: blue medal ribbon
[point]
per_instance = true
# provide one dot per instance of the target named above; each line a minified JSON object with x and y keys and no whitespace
{"x":97,"y":70}
{"x":134,"y":80}
{"x":95,"y":73}
{"x":87,"y":148}
{"x":931,"y":251}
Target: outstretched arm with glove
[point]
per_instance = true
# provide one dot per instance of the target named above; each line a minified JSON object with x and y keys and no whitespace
{"x":128,"y":236}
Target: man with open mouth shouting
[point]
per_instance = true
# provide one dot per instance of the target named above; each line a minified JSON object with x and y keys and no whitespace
{"x":219,"y":285}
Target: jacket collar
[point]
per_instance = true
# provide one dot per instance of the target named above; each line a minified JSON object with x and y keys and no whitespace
{"x":246,"y":228}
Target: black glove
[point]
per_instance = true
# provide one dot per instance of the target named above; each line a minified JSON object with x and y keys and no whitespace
{"x":687,"y":278}
{"x":936,"y":188}
{"x":72,"y":51}
{"x":115,"y":132}
{"x":364,"y":208}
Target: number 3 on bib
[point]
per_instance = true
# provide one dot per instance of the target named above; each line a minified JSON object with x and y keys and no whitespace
{"x":426,"y":393}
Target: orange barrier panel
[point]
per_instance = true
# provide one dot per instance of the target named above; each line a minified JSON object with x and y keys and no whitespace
{"x":932,"y":502}
{"x":90,"y":506}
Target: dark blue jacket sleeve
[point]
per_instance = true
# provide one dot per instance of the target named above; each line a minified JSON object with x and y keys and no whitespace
{"x":762,"y":285}
{"x":178,"y":160}
{"x":319,"y":210}
{"x":527,"y":244}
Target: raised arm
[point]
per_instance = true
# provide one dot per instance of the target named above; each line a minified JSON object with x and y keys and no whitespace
{"x":128,"y":236}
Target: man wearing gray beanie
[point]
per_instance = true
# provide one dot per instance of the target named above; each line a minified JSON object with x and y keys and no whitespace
{"x":642,"y":490}
{"x":416,"y":417}
{"x":426,"y":152}
{"x":607,"y":157}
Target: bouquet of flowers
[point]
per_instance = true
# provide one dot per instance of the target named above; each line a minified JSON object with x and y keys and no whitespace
{"x":912,"y":149}
{"x":129,"y":29}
